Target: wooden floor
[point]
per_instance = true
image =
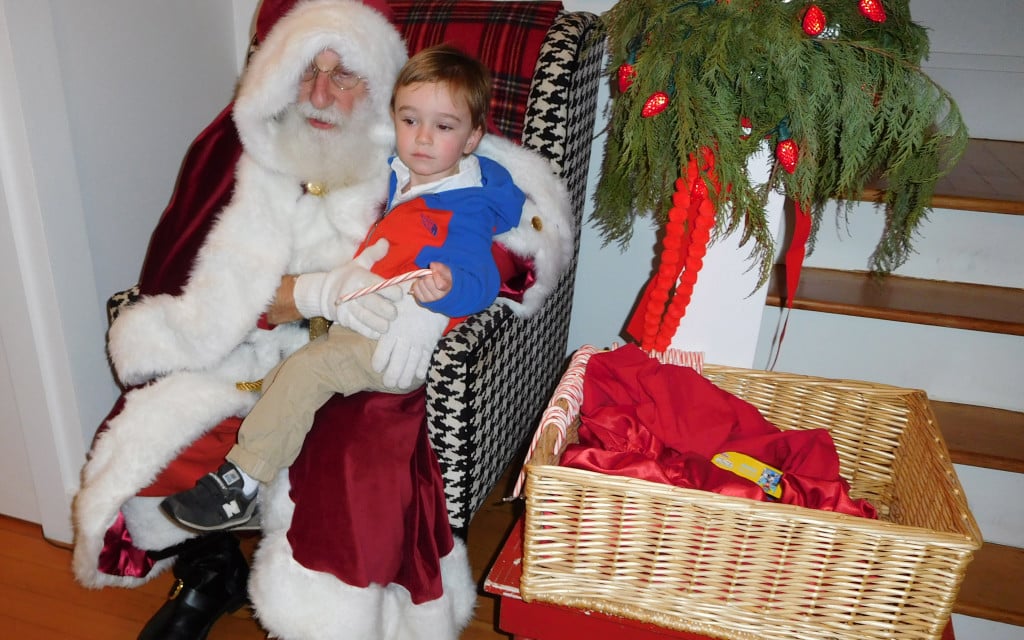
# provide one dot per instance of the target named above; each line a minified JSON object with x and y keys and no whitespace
{"x":39,"y":599}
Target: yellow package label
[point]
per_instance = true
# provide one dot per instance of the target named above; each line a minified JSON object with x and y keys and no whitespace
{"x":765,"y":476}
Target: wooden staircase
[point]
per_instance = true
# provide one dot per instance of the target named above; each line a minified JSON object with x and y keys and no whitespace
{"x":990,"y":180}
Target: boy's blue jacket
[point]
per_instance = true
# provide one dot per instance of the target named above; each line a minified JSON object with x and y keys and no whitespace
{"x":454,"y":227}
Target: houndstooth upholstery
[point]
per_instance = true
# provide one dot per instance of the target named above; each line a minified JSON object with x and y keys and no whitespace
{"x":491,"y":376}
{"x":119,"y":301}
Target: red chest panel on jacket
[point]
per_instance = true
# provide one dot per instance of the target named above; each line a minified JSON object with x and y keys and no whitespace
{"x":408,"y":228}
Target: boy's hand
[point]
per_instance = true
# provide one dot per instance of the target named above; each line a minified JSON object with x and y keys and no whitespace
{"x":434,"y":286}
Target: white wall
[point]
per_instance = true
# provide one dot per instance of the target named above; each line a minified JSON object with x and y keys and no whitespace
{"x":100,"y":101}
{"x":17,"y":489}
{"x":977,"y":55}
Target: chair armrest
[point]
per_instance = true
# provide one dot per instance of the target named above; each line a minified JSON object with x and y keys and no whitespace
{"x":492,"y":376}
{"x":119,"y":301}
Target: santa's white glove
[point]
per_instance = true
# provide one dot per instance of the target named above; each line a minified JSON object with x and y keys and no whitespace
{"x":368,"y":315}
{"x":403,"y":352}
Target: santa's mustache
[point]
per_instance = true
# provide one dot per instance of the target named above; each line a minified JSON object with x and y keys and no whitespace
{"x":330,"y":115}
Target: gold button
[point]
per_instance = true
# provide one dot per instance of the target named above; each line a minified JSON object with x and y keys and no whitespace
{"x":537,"y":223}
{"x":315,"y":189}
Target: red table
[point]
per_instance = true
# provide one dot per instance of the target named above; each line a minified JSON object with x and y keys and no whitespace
{"x":542,"y":621}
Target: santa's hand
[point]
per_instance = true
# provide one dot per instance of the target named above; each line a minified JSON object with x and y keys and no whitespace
{"x":403,"y":352}
{"x":369,"y":314}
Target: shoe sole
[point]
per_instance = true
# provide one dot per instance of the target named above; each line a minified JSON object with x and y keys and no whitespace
{"x":243,"y":518}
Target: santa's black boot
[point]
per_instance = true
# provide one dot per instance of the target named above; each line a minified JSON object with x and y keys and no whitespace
{"x":211,"y":580}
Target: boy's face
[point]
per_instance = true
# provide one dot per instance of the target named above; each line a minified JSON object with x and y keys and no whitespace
{"x":433,"y":130}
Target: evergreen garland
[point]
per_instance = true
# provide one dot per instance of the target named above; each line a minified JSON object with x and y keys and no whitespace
{"x":853,"y":99}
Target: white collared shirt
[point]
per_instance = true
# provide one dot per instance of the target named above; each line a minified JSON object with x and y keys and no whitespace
{"x":468,"y":176}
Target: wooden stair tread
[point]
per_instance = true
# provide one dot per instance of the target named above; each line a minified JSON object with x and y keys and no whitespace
{"x":988,"y":178}
{"x":957,"y":305}
{"x":991,"y":588}
{"x":982,"y":436}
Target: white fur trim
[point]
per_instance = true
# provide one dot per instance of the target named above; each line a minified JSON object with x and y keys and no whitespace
{"x":267,"y":230}
{"x":369,"y":45}
{"x":235,"y":275}
{"x":157,"y":422}
{"x":546,"y":200}
{"x":150,"y":528}
{"x":295,"y":603}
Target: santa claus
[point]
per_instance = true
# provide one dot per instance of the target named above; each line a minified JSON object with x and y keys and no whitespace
{"x":309,"y":183}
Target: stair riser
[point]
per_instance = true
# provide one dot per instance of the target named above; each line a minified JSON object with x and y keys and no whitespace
{"x":969,"y":628}
{"x":955,"y":365}
{"x":958,"y":246}
{"x":995,"y":501}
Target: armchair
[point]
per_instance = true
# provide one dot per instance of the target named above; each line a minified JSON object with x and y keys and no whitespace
{"x":491,"y":376}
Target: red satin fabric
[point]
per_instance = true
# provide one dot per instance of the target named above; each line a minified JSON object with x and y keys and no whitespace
{"x":664,"y":423}
{"x":517,"y":273}
{"x":119,"y":556}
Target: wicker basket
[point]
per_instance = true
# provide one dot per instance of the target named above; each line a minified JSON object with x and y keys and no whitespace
{"x":739,"y":569}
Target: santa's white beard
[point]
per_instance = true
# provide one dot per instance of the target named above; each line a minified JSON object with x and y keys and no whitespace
{"x":333,"y":157}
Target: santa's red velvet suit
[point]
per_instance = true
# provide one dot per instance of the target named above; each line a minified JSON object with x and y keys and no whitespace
{"x":355,"y":541}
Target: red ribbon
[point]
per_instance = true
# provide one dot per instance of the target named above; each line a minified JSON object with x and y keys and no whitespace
{"x":797,"y":250}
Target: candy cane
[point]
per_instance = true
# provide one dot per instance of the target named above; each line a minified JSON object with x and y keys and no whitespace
{"x":399,"y":279}
{"x":570,"y":391}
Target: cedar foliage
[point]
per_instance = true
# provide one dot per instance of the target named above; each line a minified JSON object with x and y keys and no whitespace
{"x":854,"y":99}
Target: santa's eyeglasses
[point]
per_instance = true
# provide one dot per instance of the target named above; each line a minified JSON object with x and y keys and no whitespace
{"x":341,"y":78}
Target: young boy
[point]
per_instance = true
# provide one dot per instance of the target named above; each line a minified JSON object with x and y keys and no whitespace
{"x":445,"y":205}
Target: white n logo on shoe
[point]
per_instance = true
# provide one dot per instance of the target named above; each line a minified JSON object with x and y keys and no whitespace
{"x":231,"y":509}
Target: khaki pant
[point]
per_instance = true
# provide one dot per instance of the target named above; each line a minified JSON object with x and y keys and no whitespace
{"x":271,"y":436}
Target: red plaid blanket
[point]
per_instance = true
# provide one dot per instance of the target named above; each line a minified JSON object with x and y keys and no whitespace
{"x":505,"y":36}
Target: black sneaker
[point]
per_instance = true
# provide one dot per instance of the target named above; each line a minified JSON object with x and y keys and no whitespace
{"x":216,"y":502}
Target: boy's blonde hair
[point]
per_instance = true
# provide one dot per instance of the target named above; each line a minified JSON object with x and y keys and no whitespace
{"x":463,"y":74}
